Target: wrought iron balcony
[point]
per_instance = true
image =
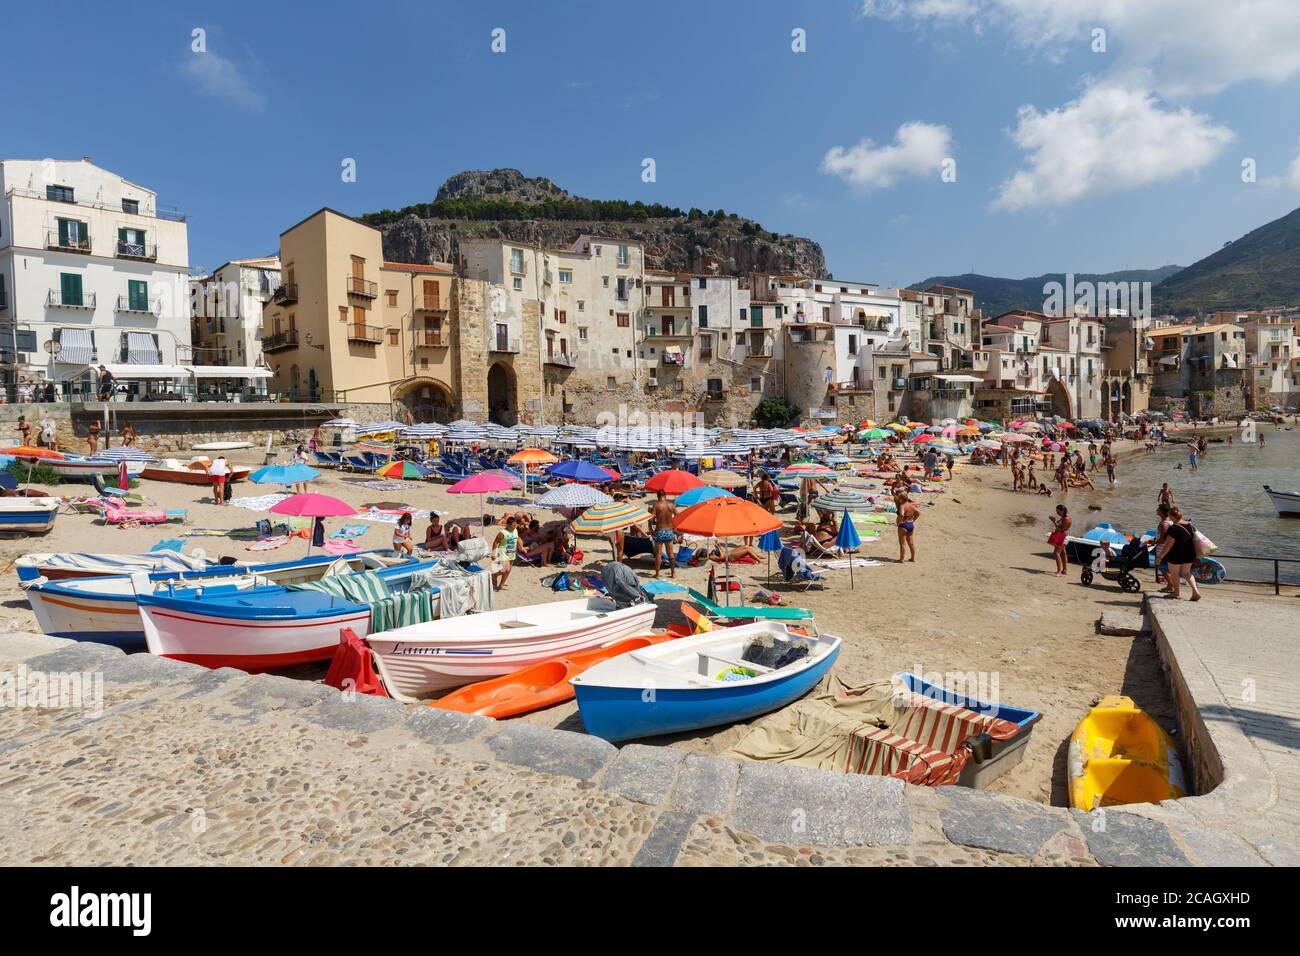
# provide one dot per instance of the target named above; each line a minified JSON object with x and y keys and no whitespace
{"x":67,"y":243}
{"x":499,"y":344}
{"x":362,"y":287}
{"x":285,"y":294}
{"x":127,"y":303}
{"x":81,"y":300}
{"x":279,"y":341}
{"x":136,"y":250}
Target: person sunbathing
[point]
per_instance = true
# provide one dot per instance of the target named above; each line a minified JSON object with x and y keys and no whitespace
{"x":436,"y":537}
{"x":739,"y":553}
{"x":535,"y":543}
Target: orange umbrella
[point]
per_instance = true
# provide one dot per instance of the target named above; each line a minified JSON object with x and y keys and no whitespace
{"x":726,"y":518}
{"x":31,"y":451}
{"x":531,"y":457}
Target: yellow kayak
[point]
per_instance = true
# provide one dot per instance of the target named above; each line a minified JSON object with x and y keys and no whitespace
{"x":1120,"y":755}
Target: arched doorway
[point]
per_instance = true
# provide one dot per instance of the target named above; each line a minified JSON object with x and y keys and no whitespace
{"x":1126,"y":398}
{"x":1060,"y":399}
{"x":427,"y":399}
{"x":503,"y":394}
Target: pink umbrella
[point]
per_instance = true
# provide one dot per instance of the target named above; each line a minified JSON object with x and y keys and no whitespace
{"x":480,"y":484}
{"x":313,"y":505}
{"x":923,"y":439}
{"x":949,"y":432}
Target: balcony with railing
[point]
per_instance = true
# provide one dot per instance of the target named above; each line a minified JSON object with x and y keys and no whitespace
{"x":362,"y":287}
{"x":562,"y":359}
{"x":58,"y":299}
{"x":758,"y":350}
{"x":131,"y":303}
{"x":366,"y":334}
{"x":142,"y":251}
{"x":680,"y":331}
{"x":279,"y":341}
{"x":65,"y":242}
{"x":504,"y":344}
{"x":286,"y":294}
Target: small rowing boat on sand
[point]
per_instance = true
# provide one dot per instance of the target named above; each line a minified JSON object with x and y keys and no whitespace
{"x":1287,"y":503}
{"x":70,"y":564}
{"x":193,"y":472}
{"x":719,"y":677}
{"x":415,"y":661}
{"x":28,"y":515}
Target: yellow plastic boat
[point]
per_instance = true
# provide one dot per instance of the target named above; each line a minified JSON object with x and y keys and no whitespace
{"x":1120,"y":755}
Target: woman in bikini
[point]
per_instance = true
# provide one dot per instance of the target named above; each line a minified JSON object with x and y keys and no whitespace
{"x":905,"y":519}
{"x":1061,"y":522}
{"x":435,"y":536}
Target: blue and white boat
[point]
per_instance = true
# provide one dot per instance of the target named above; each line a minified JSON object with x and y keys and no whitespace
{"x":28,"y":515}
{"x":263,"y":628}
{"x":719,"y":677}
{"x":103,"y":608}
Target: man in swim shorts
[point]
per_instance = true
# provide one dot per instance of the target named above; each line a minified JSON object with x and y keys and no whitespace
{"x":663,"y":535}
{"x":908,"y":513}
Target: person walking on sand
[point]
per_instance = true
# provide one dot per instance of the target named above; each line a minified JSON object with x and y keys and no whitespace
{"x":1180,"y":551}
{"x":907,"y":515}
{"x":92,"y":437}
{"x":504,"y":549}
{"x":1061,"y":522}
{"x":664,"y":536}
{"x":217,"y":473}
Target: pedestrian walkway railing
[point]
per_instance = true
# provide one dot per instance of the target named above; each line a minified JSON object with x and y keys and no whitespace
{"x":1277,"y":565}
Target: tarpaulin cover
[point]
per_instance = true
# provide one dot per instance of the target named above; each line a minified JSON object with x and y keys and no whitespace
{"x":352,"y":668}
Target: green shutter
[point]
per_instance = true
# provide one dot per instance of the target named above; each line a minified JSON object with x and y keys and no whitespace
{"x":63,"y":232}
{"x":138,"y":295}
{"x":704,"y":316}
{"x":70,"y":288}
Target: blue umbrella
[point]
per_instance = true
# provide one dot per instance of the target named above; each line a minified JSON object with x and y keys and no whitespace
{"x":847,"y":540}
{"x":283,"y":474}
{"x":769,"y":542}
{"x":702,"y":493}
{"x":578,"y":470}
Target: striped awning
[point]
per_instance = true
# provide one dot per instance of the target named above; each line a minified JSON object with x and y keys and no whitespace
{"x":76,"y":346}
{"x":141,"y":350}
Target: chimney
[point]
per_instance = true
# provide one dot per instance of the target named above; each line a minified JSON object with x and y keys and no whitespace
{"x":86,"y":159}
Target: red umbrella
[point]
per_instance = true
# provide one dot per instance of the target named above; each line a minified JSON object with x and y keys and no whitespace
{"x":673,"y":482}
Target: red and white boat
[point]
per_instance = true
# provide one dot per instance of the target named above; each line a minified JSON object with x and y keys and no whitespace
{"x":415,"y":661}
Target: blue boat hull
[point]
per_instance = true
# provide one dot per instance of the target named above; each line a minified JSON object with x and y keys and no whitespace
{"x":630,"y":713}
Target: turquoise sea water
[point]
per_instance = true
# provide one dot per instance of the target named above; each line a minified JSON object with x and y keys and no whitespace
{"x":1225,"y":498}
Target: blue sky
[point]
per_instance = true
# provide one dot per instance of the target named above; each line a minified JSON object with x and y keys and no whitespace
{"x":1132,"y":158}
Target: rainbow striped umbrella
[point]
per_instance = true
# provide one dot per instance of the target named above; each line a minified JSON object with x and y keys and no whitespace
{"x":808,"y":469}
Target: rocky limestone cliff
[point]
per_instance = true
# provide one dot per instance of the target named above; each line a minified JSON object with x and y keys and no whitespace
{"x":681,"y":242}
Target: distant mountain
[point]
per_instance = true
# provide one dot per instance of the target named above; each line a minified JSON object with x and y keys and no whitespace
{"x":995,"y":295}
{"x":1260,"y":269}
{"x":506,"y":204}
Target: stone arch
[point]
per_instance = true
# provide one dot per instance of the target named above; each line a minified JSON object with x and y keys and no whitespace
{"x":503,"y":394}
{"x":1060,"y":398}
{"x":1126,"y":397}
{"x":427,"y":399}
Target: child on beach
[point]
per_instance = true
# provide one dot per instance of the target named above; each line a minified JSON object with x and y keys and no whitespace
{"x":504,"y":549}
{"x":402,"y":540}
{"x":1061,"y":522}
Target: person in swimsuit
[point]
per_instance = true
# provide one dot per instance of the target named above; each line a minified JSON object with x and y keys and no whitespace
{"x":1180,"y":551}
{"x":768,"y":496}
{"x":663,"y":535}
{"x":1061,"y":522}
{"x":908,"y":513}
{"x":92,"y":435}
{"x":1192,"y":453}
{"x":435,"y":536}
{"x":504,"y":548}
{"x":402,"y":540}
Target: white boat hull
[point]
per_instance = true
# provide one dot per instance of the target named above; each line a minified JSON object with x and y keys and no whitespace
{"x":417,"y":661}
{"x":1287,"y":504}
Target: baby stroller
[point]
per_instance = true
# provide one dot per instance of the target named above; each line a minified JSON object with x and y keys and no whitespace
{"x":1117,"y":567}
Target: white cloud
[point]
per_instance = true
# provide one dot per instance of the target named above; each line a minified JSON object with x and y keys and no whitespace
{"x":219,"y":77}
{"x":917,"y":150}
{"x":1109,"y":139}
{"x":1186,"y":47}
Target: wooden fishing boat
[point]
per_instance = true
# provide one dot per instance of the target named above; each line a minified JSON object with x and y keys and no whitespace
{"x":1119,"y":755}
{"x":193,"y":472}
{"x":103,"y":608}
{"x":223,"y":446}
{"x":414,"y":662}
{"x":1287,"y":503}
{"x":28,"y":515}
{"x":266,"y":628}
{"x":541,"y":685}
{"x":72,"y":467}
{"x":702,"y":681}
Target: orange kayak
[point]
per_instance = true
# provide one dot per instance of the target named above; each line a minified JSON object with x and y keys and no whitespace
{"x":537,"y":686}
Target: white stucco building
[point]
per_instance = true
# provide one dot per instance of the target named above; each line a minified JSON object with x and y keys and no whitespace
{"x":92,"y":272}
{"x":227,"y":310}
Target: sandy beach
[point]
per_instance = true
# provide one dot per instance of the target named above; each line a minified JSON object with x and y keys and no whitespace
{"x":980,"y":598}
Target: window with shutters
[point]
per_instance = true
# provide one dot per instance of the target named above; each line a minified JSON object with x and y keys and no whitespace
{"x":562,"y":316}
{"x":622,"y":319}
{"x":70,"y":288}
{"x":343,"y":313}
{"x":392,"y":297}
{"x":137,"y":294}
{"x":59,"y":193}
{"x":704,"y":316}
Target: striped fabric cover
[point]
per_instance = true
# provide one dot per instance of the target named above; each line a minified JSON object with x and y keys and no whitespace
{"x":925,"y":745}
{"x":401,"y":610}
{"x":364,"y":587}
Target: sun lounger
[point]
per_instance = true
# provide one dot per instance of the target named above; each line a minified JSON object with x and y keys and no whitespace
{"x":749,"y":612}
{"x":329,"y":459}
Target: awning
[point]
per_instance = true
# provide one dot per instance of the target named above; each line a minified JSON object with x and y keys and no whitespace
{"x":76,"y":347}
{"x":228,"y":371}
{"x":141,"y":349}
{"x":1169,"y":360}
{"x":134,"y":370}
{"x":960,"y":378}
{"x":673,"y":349}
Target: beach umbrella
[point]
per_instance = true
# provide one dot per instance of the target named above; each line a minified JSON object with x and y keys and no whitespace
{"x":703,"y":493}
{"x":844,"y":499}
{"x":32,"y":453}
{"x":404,"y":469}
{"x":579,"y":470}
{"x":923,"y":439}
{"x":770,"y":542}
{"x":510,"y":476}
{"x":673,"y":482}
{"x":866,"y":423}
{"x":313,"y":506}
{"x":722,"y":478}
{"x":898,"y":427}
{"x":808,"y":469}
{"x":283,"y":474}
{"x":608,"y":518}
{"x":874,"y":433}
{"x":573,"y":496}
{"x":1027,"y":426}
{"x":480,"y":484}
{"x":848,"y":540}
{"x":1016,"y":439}
{"x":968,"y":432}
{"x":726,"y":518}
{"x":527,"y":458}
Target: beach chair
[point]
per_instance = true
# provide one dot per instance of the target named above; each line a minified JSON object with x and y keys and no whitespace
{"x":116,"y":512}
{"x":812,"y":548}
{"x":329,"y":459}
{"x":745,"y":612}
{"x":795,"y":570}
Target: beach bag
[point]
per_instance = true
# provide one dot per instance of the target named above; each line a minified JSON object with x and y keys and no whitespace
{"x":1204,"y":546}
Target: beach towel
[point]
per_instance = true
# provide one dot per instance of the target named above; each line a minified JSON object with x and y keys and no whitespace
{"x":391,"y":515}
{"x":239,"y":534}
{"x":381,"y":485}
{"x":259,"y":503}
{"x":350,"y":531}
{"x":402,"y":610}
{"x":461,"y":590}
{"x":268,"y":544}
{"x":363,"y":587}
{"x":168,"y":544}
{"x":840,"y":564}
{"x":340,"y":547}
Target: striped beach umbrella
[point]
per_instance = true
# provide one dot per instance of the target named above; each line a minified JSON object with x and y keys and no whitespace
{"x":404,"y":469}
{"x":123,"y":453}
{"x":808,"y":469}
{"x":573,"y":496}
{"x":606,"y":519}
{"x":844,"y":499}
